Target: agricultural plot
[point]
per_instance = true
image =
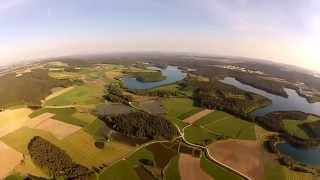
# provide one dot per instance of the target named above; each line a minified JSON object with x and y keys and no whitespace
{"x":9,"y":158}
{"x":79,"y":95}
{"x":190,"y":168}
{"x":216,"y":171}
{"x":195,"y":117}
{"x":120,"y":171}
{"x":11,"y":120}
{"x":302,"y":128}
{"x":30,"y":88}
{"x":62,"y":114}
{"x":242,"y":155}
{"x":59,"y":129}
{"x":178,"y":109}
{"x":172,"y":169}
{"x":198,"y":135}
{"x":228,"y":125}
{"x":154,"y":107}
{"x":79,"y":145}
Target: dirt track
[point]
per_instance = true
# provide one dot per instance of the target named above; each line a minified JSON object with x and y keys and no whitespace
{"x":242,"y":155}
{"x":190,"y":168}
{"x":194,"y":118}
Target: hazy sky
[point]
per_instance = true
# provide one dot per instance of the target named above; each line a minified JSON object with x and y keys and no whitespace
{"x":281,"y":30}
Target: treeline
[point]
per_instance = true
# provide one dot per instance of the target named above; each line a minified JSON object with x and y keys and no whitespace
{"x":263,"y":84}
{"x":141,"y":125}
{"x":114,"y":93}
{"x":216,"y":95}
{"x":56,"y":161}
{"x":274,"y":122}
{"x":159,"y":93}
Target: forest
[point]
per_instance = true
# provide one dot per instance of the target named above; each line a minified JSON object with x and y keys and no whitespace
{"x":56,"y":161}
{"x":141,"y":125}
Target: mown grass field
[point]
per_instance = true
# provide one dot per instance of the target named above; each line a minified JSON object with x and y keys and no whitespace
{"x":216,"y":171}
{"x":80,"y":95}
{"x":227,"y":125}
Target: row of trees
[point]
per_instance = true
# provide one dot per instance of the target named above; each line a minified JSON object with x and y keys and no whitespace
{"x":141,"y":125}
{"x":113,"y":93}
{"x":58,"y":163}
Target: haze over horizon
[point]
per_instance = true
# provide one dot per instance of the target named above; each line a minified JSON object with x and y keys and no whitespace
{"x":285,"y":31}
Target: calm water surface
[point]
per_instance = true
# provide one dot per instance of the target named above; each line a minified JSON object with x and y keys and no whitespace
{"x":294,"y":102}
{"x":172,"y":74}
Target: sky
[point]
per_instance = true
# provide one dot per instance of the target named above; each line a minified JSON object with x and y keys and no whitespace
{"x":286,"y":31}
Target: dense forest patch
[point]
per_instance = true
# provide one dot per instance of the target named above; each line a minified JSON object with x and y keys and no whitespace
{"x":141,"y":125}
{"x":149,"y":76}
{"x":55,"y":160}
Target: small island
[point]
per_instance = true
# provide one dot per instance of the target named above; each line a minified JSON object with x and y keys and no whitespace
{"x":149,"y":76}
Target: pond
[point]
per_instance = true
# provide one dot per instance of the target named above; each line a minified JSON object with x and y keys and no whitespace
{"x":310,"y":156}
{"x":294,"y":102}
{"x":172,"y":74}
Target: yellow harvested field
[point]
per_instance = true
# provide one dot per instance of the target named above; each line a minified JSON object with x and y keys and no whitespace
{"x":11,"y":120}
{"x":58,"y":93}
{"x":58,"y":129}
{"x":9,"y":159}
{"x":194,"y":118}
{"x":190,"y":168}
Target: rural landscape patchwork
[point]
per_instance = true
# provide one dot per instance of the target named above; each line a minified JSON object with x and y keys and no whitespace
{"x":158,"y":116}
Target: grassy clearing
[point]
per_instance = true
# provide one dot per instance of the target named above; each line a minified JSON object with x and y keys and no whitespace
{"x":80,"y":95}
{"x":120,"y":171}
{"x":172,"y":169}
{"x":198,"y":135}
{"x":93,"y":127}
{"x":62,"y":114}
{"x":293,"y":127}
{"x":216,"y":171}
{"x":228,"y":125}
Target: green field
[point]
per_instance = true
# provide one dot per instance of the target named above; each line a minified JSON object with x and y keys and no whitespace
{"x":120,"y":171}
{"x":172,"y":169}
{"x":227,"y":125}
{"x":216,"y":171}
{"x":198,"y":135}
{"x":177,"y":108}
{"x":62,"y":114}
{"x":80,"y":95}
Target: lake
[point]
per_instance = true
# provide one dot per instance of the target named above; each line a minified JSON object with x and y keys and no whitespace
{"x":294,"y":102}
{"x":310,"y":156}
{"x":172,"y":74}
